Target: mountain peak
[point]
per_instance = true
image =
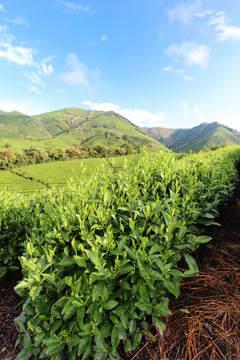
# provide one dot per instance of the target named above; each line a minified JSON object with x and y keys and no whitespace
{"x":16,"y":113}
{"x":200,"y":136}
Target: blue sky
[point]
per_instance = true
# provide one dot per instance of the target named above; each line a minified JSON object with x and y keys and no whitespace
{"x":157,"y":62}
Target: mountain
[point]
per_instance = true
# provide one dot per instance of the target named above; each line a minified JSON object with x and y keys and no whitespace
{"x":204,"y":135}
{"x":71,"y":126}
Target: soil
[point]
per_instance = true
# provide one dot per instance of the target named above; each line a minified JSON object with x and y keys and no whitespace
{"x":9,"y":309}
{"x":211,"y":328}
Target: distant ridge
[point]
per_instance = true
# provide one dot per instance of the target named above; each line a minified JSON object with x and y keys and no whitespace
{"x":77,"y":127}
{"x":66,"y":127}
{"x":205,"y":135}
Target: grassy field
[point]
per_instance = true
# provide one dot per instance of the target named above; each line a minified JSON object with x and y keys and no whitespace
{"x":36,"y":177}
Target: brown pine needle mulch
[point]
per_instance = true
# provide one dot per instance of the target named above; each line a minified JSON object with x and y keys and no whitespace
{"x":211,"y":329}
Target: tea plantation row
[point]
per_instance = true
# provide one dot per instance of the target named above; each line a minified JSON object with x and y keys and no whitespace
{"x":100,"y":257}
{"x":27,"y":179}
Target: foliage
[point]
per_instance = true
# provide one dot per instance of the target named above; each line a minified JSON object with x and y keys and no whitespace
{"x":101,"y":255}
{"x":56,"y":174}
{"x":37,"y":155}
{"x":15,"y":225}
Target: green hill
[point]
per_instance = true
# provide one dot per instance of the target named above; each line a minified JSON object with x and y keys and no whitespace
{"x":195,"y":139}
{"x":67,"y":127}
{"x":70,"y":126}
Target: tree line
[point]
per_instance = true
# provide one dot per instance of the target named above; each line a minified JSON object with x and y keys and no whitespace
{"x":37,"y":155}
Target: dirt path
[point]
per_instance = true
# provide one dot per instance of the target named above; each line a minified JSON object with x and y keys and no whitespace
{"x":211,"y":329}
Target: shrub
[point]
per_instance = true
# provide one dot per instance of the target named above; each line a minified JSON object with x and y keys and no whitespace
{"x":101,"y":260}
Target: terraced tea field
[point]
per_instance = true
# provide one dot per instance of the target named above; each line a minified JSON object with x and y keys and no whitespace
{"x":14,"y":182}
{"x":37,"y":177}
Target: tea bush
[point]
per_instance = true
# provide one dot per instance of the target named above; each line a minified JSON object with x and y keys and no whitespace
{"x":16,"y":224}
{"x":101,"y":259}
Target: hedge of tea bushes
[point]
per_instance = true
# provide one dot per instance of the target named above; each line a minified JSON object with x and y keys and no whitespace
{"x":17,"y":219}
{"x":101,"y":260}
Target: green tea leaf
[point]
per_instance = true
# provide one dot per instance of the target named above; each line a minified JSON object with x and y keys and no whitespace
{"x":125,"y":320}
{"x":155,"y":275}
{"x":191,"y":262}
{"x":110,"y":304}
{"x":79,"y":260}
{"x":55,"y":326}
{"x":74,"y":341}
{"x":160,"y":326}
{"x":114,"y":339}
{"x":142,"y":291}
{"x":137,"y":339}
{"x":132,"y":326}
{"x":93,"y":257}
{"x":142,"y":269}
{"x":105,"y":330}
{"x":97,"y":316}
{"x":27,"y":342}
{"x":102,"y":346}
{"x":52,"y":341}
{"x":203,"y":239}
{"x":97,"y":290}
{"x":144,"y":306}
{"x":171,"y":287}
{"x":66,"y":262}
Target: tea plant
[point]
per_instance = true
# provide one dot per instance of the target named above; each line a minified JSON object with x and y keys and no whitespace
{"x":101,"y":259}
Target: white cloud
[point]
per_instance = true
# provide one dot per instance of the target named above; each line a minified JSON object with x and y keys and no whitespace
{"x":192,"y":53}
{"x":137,"y":116}
{"x":104,"y":37}
{"x":17,"y":54}
{"x":47,"y":69}
{"x":187,"y":12}
{"x":181,"y":72}
{"x":24,"y":57}
{"x":173,"y":70}
{"x":3,"y":31}
{"x":34,"y":89}
{"x":43,"y":67}
{"x":18,"y":21}
{"x":2,"y":8}
{"x":73,"y":8}
{"x":102,"y":106}
{"x":193,"y":114}
{"x":79,"y":74}
{"x":34,"y":78}
{"x":25,"y":106}
{"x":225,"y":32}
{"x":187,"y":77}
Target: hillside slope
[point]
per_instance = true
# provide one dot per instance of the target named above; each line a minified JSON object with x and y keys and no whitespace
{"x":69,"y":126}
{"x":195,"y":139}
